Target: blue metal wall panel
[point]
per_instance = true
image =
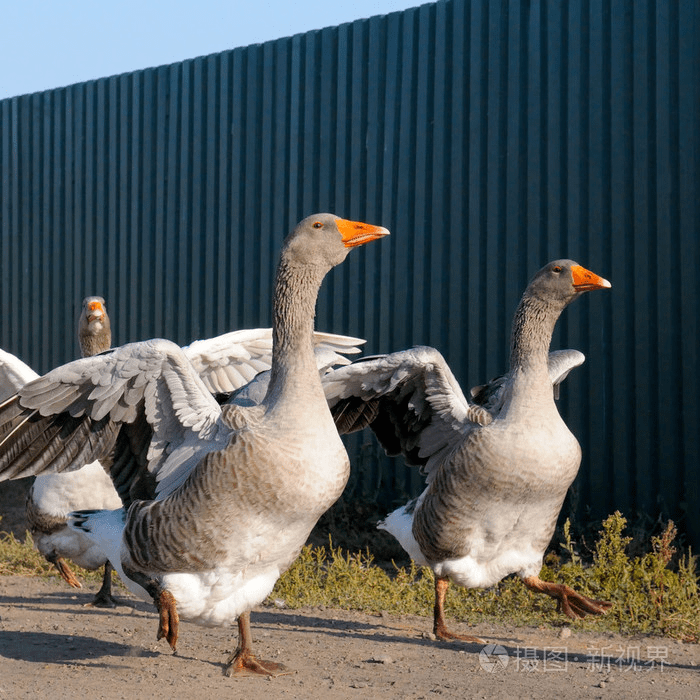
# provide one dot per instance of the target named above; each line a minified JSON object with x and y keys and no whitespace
{"x":489,"y":137}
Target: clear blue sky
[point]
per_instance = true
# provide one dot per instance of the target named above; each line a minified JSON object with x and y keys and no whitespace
{"x":51,"y":43}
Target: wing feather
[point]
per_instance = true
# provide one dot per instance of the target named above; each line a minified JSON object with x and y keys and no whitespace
{"x":52,"y":421}
{"x":14,"y":374}
{"x":410,"y":399}
{"x":142,"y":409}
{"x":560,"y":363}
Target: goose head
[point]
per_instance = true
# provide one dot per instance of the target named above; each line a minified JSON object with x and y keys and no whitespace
{"x":555,"y":286}
{"x":324,"y":240}
{"x":94,"y":330}
{"x":561,"y":281}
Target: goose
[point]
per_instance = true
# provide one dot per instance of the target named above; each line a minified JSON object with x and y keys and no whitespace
{"x":52,"y":496}
{"x":496,"y":475}
{"x":224,"y":362}
{"x":235,"y":490}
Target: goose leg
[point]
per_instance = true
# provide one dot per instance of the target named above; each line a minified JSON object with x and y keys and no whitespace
{"x":572,"y":604}
{"x":243,"y":662}
{"x":439,"y":627}
{"x":65,"y":570}
{"x":103,"y":597}
{"x":169,"y":622}
{"x":168,"y":619}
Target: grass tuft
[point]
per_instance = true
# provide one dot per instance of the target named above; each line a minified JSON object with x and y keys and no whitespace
{"x":20,"y":558}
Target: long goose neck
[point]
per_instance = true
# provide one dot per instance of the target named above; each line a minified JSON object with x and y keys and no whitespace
{"x":533,"y":326}
{"x":294,"y":304}
{"x":95,"y":343}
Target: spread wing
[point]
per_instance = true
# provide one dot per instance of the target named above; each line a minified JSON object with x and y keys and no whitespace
{"x":229,"y":361}
{"x":410,"y":399}
{"x":74,"y":414}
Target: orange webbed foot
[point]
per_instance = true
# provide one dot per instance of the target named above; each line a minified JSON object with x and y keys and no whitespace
{"x":243,"y":663}
{"x":572,"y":604}
{"x":439,"y":627}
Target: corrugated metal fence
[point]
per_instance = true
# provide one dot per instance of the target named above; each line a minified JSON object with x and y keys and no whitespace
{"x":490,"y":137}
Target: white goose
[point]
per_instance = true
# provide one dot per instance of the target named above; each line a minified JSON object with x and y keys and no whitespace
{"x":52,"y":496}
{"x":237,"y":489}
{"x":496,"y":476}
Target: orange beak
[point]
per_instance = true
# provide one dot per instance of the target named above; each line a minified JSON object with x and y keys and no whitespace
{"x":356,"y":233}
{"x":96,"y":311}
{"x":585,"y":280}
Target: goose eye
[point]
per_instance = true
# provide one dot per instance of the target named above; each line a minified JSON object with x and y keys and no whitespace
{"x":556,"y":268}
{"x":317,"y":224}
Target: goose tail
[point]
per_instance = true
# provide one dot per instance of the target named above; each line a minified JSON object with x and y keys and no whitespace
{"x":399,"y":524}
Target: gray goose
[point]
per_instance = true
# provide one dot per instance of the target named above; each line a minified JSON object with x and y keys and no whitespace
{"x":225,"y":363}
{"x":237,"y":488}
{"x":496,"y":476}
{"x":53,"y":496}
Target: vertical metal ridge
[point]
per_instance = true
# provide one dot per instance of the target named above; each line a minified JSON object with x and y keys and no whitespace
{"x":475,"y":266}
{"x":622,"y":390}
{"x":669,"y":314}
{"x":645,"y":475}
{"x":6,"y":223}
{"x":689,"y":222}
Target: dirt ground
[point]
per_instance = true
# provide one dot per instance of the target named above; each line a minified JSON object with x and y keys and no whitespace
{"x":53,"y":646}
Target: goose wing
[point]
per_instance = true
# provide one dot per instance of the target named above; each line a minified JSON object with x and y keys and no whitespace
{"x":74,"y":414}
{"x":410,"y":399}
{"x":229,"y":361}
{"x":561,"y":362}
{"x":144,"y":409}
{"x":14,"y":374}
